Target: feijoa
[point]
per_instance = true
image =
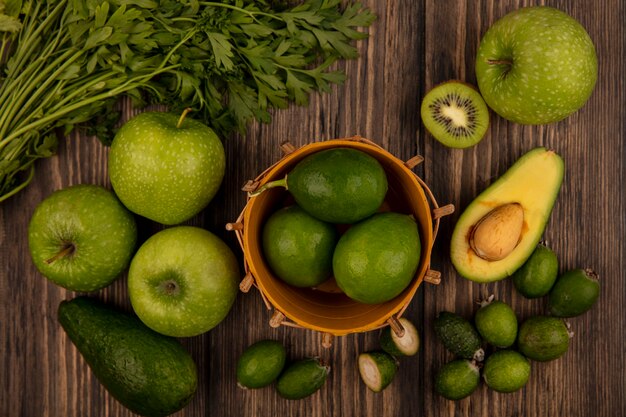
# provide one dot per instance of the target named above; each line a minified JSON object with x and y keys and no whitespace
{"x":496,"y":322}
{"x":543,"y":338}
{"x":302,"y":378}
{"x":575,"y":292}
{"x":406,"y":345}
{"x":338,"y":185}
{"x":260,"y":364}
{"x":535,"y":278}
{"x":298,"y":247}
{"x":457,"y":379}
{"x":377,"y":369}
{"x":459,"y":336}
{"x":506,"y":371}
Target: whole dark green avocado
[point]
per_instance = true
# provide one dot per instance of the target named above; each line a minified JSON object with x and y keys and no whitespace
{"x":338,"y":185}
{"x":150,"y":374}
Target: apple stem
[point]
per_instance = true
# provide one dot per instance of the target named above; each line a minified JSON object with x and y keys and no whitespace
{"x":499,"y":62}
{"x":182,"y":117}
{"x":67,"y":250}
{"x":272,"y":184}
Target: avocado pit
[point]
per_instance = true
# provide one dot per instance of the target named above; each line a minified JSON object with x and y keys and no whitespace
{"x":497,"y":233}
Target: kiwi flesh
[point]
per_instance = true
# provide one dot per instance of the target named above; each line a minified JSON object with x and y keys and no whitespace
{"x":455,"y":114}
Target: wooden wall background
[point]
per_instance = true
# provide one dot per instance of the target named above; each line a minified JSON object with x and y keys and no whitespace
{"x":413,"y":46}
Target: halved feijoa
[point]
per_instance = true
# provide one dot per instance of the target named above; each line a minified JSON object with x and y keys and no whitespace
{"x":455,"y":114}
{"x":510,"y":215}
{"x":506,"y":371}
{"x":496,"y":322}
{"x":535,"y":278}
{"x":543,"y":338}
{"x":575,"y":292}
{"x":406,"y":345}
{"x":459,"y":336}
{"x":260,"y":364}
{"x":457,"y":379}
{"x":302,"y":378}
{"x":377,"y":369}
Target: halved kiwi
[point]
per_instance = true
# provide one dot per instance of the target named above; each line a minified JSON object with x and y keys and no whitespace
{"x":455,"y":114}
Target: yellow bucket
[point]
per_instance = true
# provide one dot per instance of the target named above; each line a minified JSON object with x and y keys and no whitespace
{"x":325,"y":308}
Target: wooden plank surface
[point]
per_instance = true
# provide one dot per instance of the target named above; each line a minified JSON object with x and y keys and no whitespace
{"x":413,"y":46}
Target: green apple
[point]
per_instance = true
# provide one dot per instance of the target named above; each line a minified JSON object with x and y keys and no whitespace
{"x":183,"y":281}
{"x":536,"y":65}
{"x":164,"y":167}
{"x":82,"y":237}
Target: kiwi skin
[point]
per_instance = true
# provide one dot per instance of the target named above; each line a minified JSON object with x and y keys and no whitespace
{"x":476,"y":121}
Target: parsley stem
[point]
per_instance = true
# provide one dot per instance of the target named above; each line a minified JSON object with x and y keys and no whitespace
{"x":239,"y":9}
{"x":127,"y":86}
{"x":19,"y":187}
{"x":39,"y":86}
{"x":33,"y":38}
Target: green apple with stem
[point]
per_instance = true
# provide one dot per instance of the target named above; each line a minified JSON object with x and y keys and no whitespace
{"x":82,"y":237}
{"x":536,"y":65}
{"x":183,"y":281}
{"x":166,"y":167}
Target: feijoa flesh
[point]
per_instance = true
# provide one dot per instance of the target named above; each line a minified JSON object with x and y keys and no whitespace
{"x":260,"y":364}
{"x":574,"y":293}
{"x":506,"y":371}
{"x":457,"y":379}
{"x":302,"y":378}
{"x":536,"y":277}
{"x":377,"y":369}
{"x":455,"y":114}
{"x":376,"y":259}
{"x":496,"y":322}
{"x":543,"y":338}
{"x":406,"y":345}
{"x":338,"y":185}
{"x":459,"y":336}
{"x":299,"y":247}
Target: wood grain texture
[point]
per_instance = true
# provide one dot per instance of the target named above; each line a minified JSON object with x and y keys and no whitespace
{"x":413,"y":46}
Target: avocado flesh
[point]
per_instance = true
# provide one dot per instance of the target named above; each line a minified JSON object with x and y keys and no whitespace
{"x":534,"y":182}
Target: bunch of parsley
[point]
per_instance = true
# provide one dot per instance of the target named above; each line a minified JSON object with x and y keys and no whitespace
{"x":66,"y":62}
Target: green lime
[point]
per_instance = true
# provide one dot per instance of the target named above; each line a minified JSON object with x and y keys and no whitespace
{"x":496,"y":322}
{"x":377,"y":369}
{"x":298,"y":247}
{"x":535,"y":278}
{"x":457,"y":379}
{"x":543,"y":338}
{"x":376,"y":259}
{"x":574,"y":293}
{"x":406,"y":345}
{"x":506,"y":371}
{"x":459,"y":336}
{"x":260,"y":364}
{"x":339,"y":185}
{"x":301,"y":379}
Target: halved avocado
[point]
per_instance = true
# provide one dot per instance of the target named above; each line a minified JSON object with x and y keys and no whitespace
{"x":533,"y":182}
